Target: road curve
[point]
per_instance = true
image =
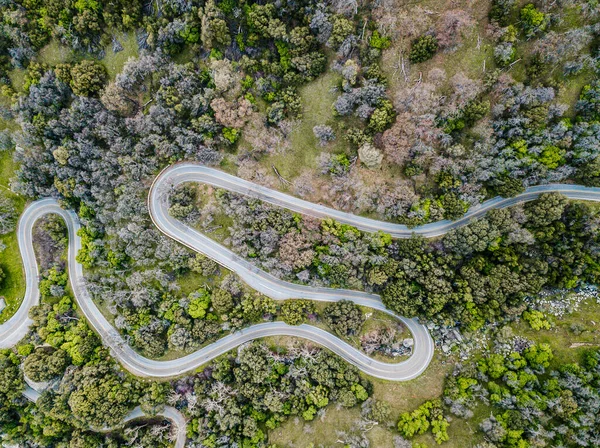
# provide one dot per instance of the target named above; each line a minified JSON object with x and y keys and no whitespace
{"x":168,"y":412}
{"x":192,"y":172}
{"x":16,"y":328}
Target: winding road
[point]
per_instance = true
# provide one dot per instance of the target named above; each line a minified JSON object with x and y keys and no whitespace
{"x":17,"y":326}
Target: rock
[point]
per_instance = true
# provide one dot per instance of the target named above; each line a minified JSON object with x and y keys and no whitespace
{"x":2,"y":304}
{"x":445,"y":349}
{"x":408,"y":342}
{"x":457,"y":335}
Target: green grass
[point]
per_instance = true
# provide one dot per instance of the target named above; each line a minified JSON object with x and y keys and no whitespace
{"x":55,"y":53}
{"x":317,"y":103}
{"x":467,"y":58}
{"x":565,"y":343}
{"x":17,"y":78}
{"x":406,"y":396}
{"x":13,"y":286}
{"x":114,"y":62}
{"x":571,"y":88}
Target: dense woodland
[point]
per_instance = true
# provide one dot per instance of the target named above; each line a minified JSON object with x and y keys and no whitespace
{"x":409,"y":138}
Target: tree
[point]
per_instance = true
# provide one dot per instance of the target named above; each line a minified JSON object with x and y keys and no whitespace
{"x":532,"y":20}
{"x":215,"y":32}
{"x":199,"y":304}
{"x":44,"y":364}
{"x":547,"y":209}
{"x":203,"y":265}
{"x":451,"y":27}
{"x":344,"y":317}
{"x":423,"y":48}
{"x":378,"y":410}
{"x":501,"y":10}
{"x":99,"y":397}
{"x":536,"y":320}
{"x":11,"y":381}
{"x":88,"y":78}
{"x":588,"y":105}
{"x":370,"y":156}
{"x":396,"y":297}
{"x":222,"y":301}
{"x":324,"y":134}
{"x":294,"y":312}
{"x":342,"y":28}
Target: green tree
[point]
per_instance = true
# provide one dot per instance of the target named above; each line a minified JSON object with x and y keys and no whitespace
{"x":423,"y":48}
{"x":546,"y":210}
{"x":100,"y":397}
{"x":344,"y":317}
{"x":199,"y":304}
{"x":12,"y":383}
{"x":88,"y":78}
{"x":294,"y":312}
{"x":533,"y":21}
{"x":44,"y":364}
{"x":222,"y":301}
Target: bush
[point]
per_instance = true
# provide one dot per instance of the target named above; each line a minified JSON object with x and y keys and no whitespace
{"x":501,"y":10}
{"x":423,"y":48}
{"x":88,"y":78}
{"x":504,"y":53}
{"x":532,"y":20}
{"x":536,"y":320}
{"x":324,"y":133}
{"x":199,"y":304}
{"x":294,"y":312}
{"x":344,"y":317}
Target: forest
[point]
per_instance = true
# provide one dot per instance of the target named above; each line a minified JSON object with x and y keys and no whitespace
{"x":407,"y":112}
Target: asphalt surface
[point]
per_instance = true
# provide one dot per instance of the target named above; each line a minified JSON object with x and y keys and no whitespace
{"x":16,"y":328}
{"x":168,"y":412}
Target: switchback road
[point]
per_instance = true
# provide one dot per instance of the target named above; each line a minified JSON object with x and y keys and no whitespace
{"x":16,"y":327}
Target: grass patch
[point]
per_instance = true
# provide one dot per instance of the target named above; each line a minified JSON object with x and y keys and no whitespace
{"x":13,"y":286}
{"x":570,"y":90}
{"x":55,"y":53}
{"x":17,"y":78}
{"x":570,"y":336}
{"x":114,"y":62}
{"x":402,"y":397}
{"x":468,"y":58}
{"x":317,"y":105}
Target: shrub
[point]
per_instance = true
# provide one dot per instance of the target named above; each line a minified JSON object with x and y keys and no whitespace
{"x":344,"y":317}
{"x":324,"y":133}
{"x":88,"y":78}
{"x":532,"y":20}
{"x":536,"y":320}
{"x":501,"y":10}
{"x":423,"y":48}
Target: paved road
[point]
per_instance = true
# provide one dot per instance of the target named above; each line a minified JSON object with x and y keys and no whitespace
{"x":16,"y":328}
{"x":168,"y":412}
{"x":191,"y":172}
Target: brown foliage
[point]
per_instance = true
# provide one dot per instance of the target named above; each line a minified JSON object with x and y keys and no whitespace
{"x":295,"y":250}
{"x":232,"y":114}
{"x":452,"y":26}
